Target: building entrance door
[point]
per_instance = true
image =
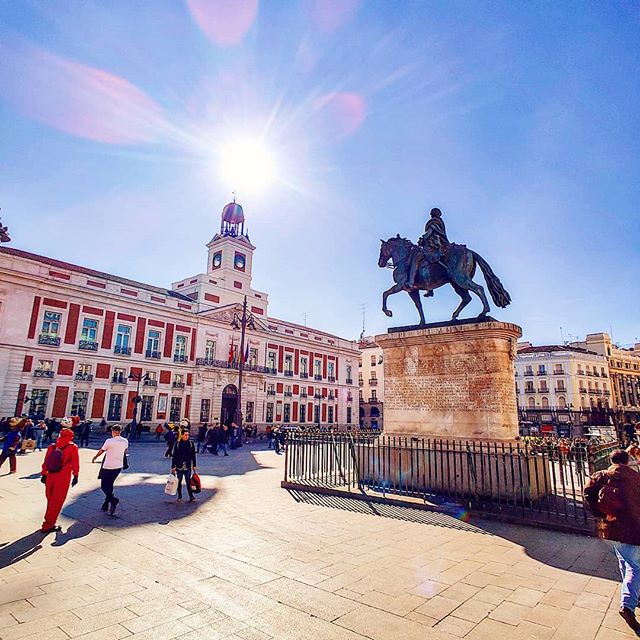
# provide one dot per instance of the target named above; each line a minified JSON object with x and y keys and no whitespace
{"x":229,"y":404}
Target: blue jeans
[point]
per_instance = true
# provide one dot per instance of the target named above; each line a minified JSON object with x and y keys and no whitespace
{"x":39,"y":435}
{"x":629,"y":560}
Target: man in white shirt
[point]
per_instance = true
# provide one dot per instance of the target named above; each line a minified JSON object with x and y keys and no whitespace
{"x":115,"y":449}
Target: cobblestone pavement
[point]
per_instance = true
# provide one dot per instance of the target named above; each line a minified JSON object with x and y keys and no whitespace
{"x":252,"y":561}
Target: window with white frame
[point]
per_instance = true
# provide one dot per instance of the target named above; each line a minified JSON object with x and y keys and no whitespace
{"x":317,"y":368}
{"x":210,"y":350}
{"x":89,"y":331}
{"x":253,"y":357}
{"x":271,"y":360}
{"x":45,"y":365}
{"x":51,"y":324}
{"x":288,"y":363}
{"x":153,"y":341}
{"x":331,"y":370}
{"x":180,"y":349}
{"x":304,"y":366}
{"x":123,"y":337}
{"x":373,"y":361}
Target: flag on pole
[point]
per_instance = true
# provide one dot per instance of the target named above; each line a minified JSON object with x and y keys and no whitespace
{"x":232,"y":350}
{"x":246,"y":355}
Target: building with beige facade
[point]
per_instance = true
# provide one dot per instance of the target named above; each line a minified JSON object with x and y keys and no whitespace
{"x":371,"y":382}
{"x":78,"y":341}
{"x":624,"y":373}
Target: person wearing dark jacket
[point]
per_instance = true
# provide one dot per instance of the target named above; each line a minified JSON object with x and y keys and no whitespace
{"x":183,"y":463}
{"x":614,"y":497}
{"x":202,"y":438}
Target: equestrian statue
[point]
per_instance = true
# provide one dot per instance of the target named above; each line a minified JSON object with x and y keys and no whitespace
{"x":434,"y":262}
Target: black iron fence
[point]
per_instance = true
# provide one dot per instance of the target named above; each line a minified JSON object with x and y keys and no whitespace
{"x":540,"y":484}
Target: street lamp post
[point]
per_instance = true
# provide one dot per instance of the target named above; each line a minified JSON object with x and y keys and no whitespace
{"x":242,"y":322}
{"x":138,"y":377}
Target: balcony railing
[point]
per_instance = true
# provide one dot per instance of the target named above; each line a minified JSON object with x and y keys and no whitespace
{"x":607,"y":393}
{"x":582,"y":390}
{"x":604,"y":375}
{"x":119,"y":379}
{"x":180,"y":357}
{"x":178,"y":385}
{"x":588,"y":373}
{"x":349,"y":398}
{"x":558,"y":372}
{"x":303,"y":394}
{"x":304,"y":375}
{"x":361,"y":382}
{"x":373,"y":399}
{"x":596,"y":374}
{"x":544,"y":390}
{"x":318,"y":396}
{"x":528,"y":373}
{"x":331,"y":396}
{"x":529,"y":390}
{"x":84,"y":377}
{"x":154,"y":355}
{"x":561,"y":389}
{"x":542,"y":373}
{"x":331,"y":378}
{"x":225,"y":364}
{"x":123,"y":351}
{"x":43,"y":373}
{"x":88,"y":345}
{"x":349,"y":381}
{"x":373,"y":382}
{"x":50,"y":341}
{"x":271,"y":392}
{"x":150,"y":383}
{"x":288,"y":394}
{"x":288,"y":373}
{"x":317,"y":376}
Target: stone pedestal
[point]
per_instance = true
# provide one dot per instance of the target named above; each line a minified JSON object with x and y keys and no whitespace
{"x":451,"y":380}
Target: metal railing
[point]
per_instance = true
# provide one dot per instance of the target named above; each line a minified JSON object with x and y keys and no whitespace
{"x":225,"y":364}
{"x":539,"y":483}
{"x":49,"y":340}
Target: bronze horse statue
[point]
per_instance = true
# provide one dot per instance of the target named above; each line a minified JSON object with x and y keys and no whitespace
{"x":457,"y":268}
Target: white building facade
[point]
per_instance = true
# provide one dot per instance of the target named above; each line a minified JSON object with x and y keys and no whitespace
{"x":77,"y":341}
{"x":371,"y":383}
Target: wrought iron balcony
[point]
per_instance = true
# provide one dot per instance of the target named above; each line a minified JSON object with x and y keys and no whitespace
{"x":349,"y":398}
{"x":317,"y":376}
{"x":303,"y":394}
{"x":119,"y":379}
{"x":606,"y":392}
{"x":529,"y":390}
{"x":542,"y":373}
{"x":596,"y":374}
{"x":317,"y":396}
{"x":288,"y":373}
{"x":225,"y":364}
{"x":150,"y":383}
{"x":373,"y":382}
{"x":271,"y":392}
{"x":580,"y":372}
{"x":604,"y":375}
{"x":528,"y":373}
{"x":349,"y":380}
{"x":331,"y":378}
{"x":123,"y":351}
{"x":373,"y":400}
{"x":588,"y":373}
{"x":331,"y":396}
{"x":178,"y":385}
{"x":43,"y":373}
{"x":561,"y":389}
{"x":304,"y":375}
{"x":84,"y":377}
{"x":544,"y":390}
{"x":361,"y":382}
{"x":50,"y":341}
{"x":154,"y":355}
{"x":288,"y":394}
{"x":88,"y":345}
{"x":582,"y":390}
{"x":179,"y":357}
{"x":558,"y":372}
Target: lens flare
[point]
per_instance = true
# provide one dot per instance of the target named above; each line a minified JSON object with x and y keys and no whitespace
{"x":224,"y":22}
{"x":247,"y":165}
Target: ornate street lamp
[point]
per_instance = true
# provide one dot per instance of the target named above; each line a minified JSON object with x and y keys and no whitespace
{"x":137,"y":377}
{"x":246,"y":320}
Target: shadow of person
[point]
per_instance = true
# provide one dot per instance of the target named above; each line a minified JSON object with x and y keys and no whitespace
{"x":11,"y":552}
{"x":75,"y":531}
{"x":32,"y":476}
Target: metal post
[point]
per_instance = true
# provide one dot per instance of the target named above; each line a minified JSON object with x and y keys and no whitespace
{"x":243,"y":327}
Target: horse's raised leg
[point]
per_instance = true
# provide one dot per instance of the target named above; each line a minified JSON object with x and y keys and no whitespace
{"x":466,"y":299}
{"x":395,"y":289}
{"x":414,"y":294}
{"x":467,"y":283}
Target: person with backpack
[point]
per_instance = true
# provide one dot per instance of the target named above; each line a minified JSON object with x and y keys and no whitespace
{"x":115,"y":460}
{"x":11,"y":444}
{"x":183,"y":463}
{"x":61,"y":462}
{"x":613,"y":495}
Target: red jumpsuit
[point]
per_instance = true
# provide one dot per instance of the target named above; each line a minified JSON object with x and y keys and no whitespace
{"x":57,"y":484}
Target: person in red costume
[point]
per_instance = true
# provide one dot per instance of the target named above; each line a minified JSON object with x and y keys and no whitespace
{"x":64,"y":455}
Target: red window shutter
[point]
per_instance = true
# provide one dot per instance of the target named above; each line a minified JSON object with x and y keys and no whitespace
{"x":324,"y":366}
{"x":103,"y":370}
{"x":168,"y":341}
{"x":279,"y":387}
{"x":107,"y":335}
{"x":310,"y":412}
{"x":189,"y":379}
{"x":296,"y":388}
{"x":65,"y":368}
{"x":72,"y":324}
{"x":192,"y":355}
{"x":28,"y":363}
{"x":139,"y":346}
{"x":136,"y":371}
{"x":165,"y":377}
{"x":60,"y":402}
{"x":280,"y":359}
{"x":296,"y":362}
{"x":22,"y":389}
{"x":324,"y":413}
{"x":35,"y":312}
{"x":295,"y":412}
{"x":187,"y":407}
{"x":130,"y":406}
{"x":97,"y":408}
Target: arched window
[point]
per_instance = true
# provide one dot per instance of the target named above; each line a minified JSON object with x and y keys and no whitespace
{"x":375,"y":412}
{"x":562,"y":402}
{"x":545,"y":403}
{"x":532,"y":403}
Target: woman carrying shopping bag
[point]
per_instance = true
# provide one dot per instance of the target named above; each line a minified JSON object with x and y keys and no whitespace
{"x":115,"y":460}
{"x":183,"y":463}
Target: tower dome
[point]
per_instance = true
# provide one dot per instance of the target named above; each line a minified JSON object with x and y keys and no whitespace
{"x":232,"y":220}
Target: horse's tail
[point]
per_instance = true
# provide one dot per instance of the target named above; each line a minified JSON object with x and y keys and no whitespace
{"x":499,"y":294}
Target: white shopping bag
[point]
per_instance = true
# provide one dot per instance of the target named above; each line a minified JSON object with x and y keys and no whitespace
{"x":171,"y":488}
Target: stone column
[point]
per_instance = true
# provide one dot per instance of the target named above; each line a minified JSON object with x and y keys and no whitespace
{"x":451,"y":380}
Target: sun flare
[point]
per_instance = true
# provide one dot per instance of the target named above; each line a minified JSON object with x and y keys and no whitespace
{"x":247,"y":165}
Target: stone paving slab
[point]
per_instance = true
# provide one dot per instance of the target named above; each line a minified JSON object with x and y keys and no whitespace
{"x":251,"y":561}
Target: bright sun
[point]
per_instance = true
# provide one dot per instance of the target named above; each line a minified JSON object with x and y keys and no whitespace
{"x":247,"y":165}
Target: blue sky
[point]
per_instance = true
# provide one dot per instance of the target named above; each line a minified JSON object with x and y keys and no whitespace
{"x":519,"y":120}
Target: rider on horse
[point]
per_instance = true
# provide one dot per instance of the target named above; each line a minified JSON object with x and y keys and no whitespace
{"x":431,"y":246}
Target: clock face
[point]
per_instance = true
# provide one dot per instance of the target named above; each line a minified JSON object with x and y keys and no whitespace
{"x":217,"y":260}
{"x":239,"y":262}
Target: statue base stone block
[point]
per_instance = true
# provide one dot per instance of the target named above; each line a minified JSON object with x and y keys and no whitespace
{"x":451,"y":380}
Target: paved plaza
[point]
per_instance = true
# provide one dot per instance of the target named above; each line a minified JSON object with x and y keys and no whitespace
{"x":251,"y":561}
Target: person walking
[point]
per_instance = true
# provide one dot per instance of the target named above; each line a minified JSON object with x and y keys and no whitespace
{"x":223,"y":438}
{"x":38,"y":432}
{"x":614,"y":497}
{"x":159,"y":431}
{"x":170,"y":438}
{"x":202,"y":438}
{"x":115,"y":449}
{"x":11,"y":444}
{"x":61,"y":462}
{"x":85,"y":432}
{"x":183,"y":463}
